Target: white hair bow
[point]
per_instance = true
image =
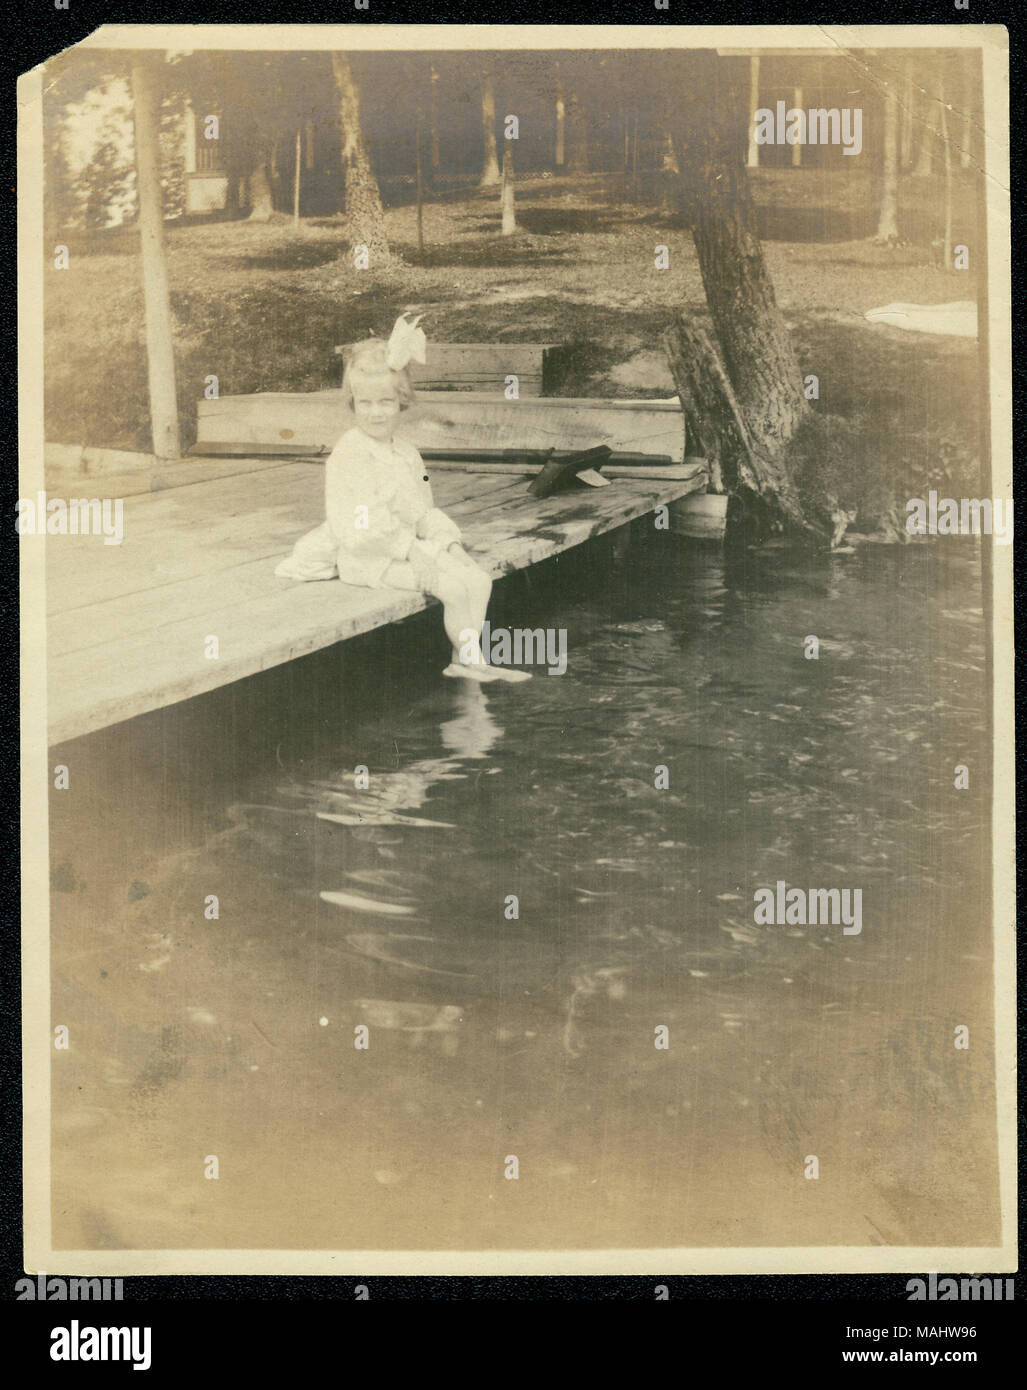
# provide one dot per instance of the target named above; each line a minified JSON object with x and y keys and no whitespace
{"x":406,"y":343}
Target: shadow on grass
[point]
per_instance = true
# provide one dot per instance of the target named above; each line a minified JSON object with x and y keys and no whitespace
{"x":558,"y":221}
{"x":488,"y":253}
{"x":298,"y":256}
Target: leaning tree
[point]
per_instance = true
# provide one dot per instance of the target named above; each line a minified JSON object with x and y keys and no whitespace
{"x":742,"y":390}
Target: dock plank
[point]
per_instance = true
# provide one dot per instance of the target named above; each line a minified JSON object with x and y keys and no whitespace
{"x":129,"y":623}
{"x":176,"y":535}
{"x":220,"y":585}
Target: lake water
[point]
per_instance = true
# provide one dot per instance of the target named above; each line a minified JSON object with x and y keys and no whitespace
{"x":534,"y":1037}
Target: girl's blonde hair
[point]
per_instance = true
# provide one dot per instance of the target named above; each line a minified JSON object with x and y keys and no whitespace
{"x":367,"y":358}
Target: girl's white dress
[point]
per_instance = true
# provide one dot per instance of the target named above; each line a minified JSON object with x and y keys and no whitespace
{"x":382,"y":528}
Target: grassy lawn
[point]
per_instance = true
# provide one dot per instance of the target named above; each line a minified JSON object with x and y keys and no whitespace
{"x":261,"y":307}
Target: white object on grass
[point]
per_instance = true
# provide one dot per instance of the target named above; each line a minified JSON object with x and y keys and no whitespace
{"x":955,"y":320}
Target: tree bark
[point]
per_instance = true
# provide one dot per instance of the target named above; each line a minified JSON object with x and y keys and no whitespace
{"x":888,"y":219}
{"x":365,"y":219}
{"x":760,"y":367}
{"x":490,"y":164}
{"x":509,"y":215}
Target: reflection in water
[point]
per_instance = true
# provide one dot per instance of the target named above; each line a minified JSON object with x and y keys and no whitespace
{"x":520,"y":918}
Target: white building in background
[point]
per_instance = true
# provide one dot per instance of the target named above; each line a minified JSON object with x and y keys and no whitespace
{"x":206,"y":174}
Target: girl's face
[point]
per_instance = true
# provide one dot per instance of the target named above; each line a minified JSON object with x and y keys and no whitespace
{"x":375,"y":405}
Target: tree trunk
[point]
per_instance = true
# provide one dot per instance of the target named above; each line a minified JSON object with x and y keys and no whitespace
{"x":909,"y":87}
{"x":888,"y":220}
{"x":966,"y":148}
{"x":946,"y":236}
{"x":297,"y":166}
{"x":509,"y":216}
{"x":634,"y":157}
{"x":925,"y":158}
{"x":490,"y":165}
{"x":577,"y":136}
{"x":419,"y":174}
{"x":560,"y":118}
{"x":668,"y":159}
{"x":752,"y":149}
{"x":259,"y":189}
{"x":758,"y":352}
{"x":433,"y":119}
{"x":766,"y":402}
{"x":365,"y":220}
{"x":797,"y":147}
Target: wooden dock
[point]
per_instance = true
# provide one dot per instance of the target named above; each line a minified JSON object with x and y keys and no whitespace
{"x":128,"y":625}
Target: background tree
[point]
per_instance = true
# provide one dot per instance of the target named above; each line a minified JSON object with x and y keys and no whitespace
{"x":365,"y":219}
{"x":576,"y":118}
{"x":888,"y":217}
{"x":490,"y":162}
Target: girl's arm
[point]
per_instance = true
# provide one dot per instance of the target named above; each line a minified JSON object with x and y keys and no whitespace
{"x":430,"y":523}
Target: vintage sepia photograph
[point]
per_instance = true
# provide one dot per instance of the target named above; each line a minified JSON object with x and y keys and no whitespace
{"x":515,"y":530}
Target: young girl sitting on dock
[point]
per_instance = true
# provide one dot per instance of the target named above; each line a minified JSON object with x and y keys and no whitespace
{"x":382,"y":528}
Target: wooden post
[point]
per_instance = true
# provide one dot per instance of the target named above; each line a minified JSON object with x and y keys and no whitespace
{"x":296,"y":179}
{"x":160,"y":354}
{"x":754,"y":102}
{"x":797,"y":147}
